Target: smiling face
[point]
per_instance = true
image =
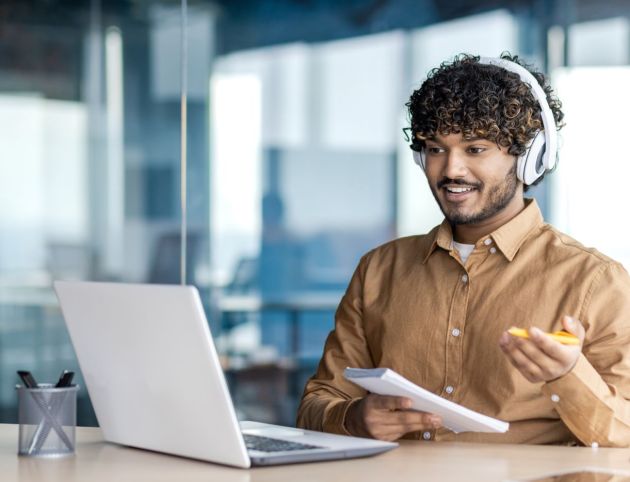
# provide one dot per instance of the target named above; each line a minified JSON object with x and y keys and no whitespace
{"x":473,"y":180}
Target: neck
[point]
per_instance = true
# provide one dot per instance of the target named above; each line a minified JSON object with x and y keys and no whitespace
{"x":471,"y":233}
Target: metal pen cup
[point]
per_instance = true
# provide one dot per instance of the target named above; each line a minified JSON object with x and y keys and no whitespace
{"x":47,"y":417}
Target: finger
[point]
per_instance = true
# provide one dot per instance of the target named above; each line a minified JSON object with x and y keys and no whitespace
{"x":542,"y":350}
{"x":553,"y":349}
{"x":526,"y":352}
{"x":574,"y":326}
{"x":549,"y":355}
{"x":513,"y":363}
{"x":546,"y":344}
{"x":527,"y":372}
{"x":403,"y":429}
{"x":384,"y":402}
{"x":387,"y":435}
{"x":412,"y":417}
{"x":507,"y":341}
{"x":523,"y":364}
{"x":378,"y":427}
{"x":504,"y":341}
{"x":418,"y":426}
{"x":511,"y":344}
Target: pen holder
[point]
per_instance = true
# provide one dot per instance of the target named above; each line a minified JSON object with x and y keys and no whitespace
{"x":47,"y":417}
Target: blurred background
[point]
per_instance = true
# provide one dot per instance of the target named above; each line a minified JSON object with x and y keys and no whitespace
{"x":296,"y":160}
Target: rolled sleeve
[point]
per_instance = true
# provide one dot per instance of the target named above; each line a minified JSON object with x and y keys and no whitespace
{"x":593,"y":398}
{"x":328,"y":395}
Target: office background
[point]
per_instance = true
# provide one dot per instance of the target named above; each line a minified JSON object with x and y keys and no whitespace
{"x":296,"y":160}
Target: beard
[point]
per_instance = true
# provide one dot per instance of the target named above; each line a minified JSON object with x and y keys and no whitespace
{"x":499,"y":196}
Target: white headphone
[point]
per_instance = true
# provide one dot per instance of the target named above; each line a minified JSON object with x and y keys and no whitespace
{"x":540,"y":155}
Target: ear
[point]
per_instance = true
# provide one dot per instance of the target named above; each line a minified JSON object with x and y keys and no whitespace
{"x":418,"y":157}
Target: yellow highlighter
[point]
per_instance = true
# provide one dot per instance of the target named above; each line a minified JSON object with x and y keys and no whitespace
{"x":562,"y":336}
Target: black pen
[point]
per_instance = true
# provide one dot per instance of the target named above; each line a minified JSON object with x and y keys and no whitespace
{"x":65,"y":380}
{"x":27,"y":379}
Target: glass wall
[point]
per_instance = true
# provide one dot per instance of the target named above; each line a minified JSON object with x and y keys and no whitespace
{"x":588,"y":199}
{"x":89,"y":164}
{"x":296,"y":160}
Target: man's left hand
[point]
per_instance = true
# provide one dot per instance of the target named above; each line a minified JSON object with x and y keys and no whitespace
{"x":540,"y":358}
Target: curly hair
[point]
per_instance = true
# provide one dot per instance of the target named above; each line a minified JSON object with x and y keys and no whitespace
{"x":479,"y":100}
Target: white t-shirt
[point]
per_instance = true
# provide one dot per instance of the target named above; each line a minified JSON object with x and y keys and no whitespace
{"x":464,"y":250}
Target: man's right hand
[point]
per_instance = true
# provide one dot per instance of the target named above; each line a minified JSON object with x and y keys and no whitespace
{"x":387,"y":418}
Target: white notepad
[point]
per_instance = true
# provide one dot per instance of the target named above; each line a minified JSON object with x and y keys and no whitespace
{"x":384,"y":381}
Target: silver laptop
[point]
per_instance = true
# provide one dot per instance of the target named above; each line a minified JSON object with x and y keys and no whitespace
{"x":155,"y":381}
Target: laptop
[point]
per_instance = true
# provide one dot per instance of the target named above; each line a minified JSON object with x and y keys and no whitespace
{"x":154,"y":378}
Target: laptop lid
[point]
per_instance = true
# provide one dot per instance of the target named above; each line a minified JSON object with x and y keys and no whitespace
{"x":152,"y":382}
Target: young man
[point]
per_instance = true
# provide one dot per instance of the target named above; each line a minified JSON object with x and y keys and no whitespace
{"x":436,"y":308}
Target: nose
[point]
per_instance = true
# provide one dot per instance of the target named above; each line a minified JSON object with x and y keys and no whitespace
{"x":455,"y":165}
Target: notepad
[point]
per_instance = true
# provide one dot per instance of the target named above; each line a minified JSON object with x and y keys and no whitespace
{"x":455,"y":417}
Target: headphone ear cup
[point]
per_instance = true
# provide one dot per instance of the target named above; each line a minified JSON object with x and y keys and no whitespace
{"x":532,"y":164}
{"x":418,"y":157}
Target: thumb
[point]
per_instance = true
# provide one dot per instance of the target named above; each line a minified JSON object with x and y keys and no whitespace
{"x":573,"y":326}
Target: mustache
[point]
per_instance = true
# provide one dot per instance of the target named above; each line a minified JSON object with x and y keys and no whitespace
{"x":446,"y":180}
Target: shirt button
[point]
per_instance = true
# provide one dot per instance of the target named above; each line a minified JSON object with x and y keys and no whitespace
{"x":449,"y":389}
{"x":455,"y":332}
{"x":464,"y":278}
{"x":426,"y":435}
{"x":555,"y":398}
{"x":493,"y":250}
{"x":487,"y":242}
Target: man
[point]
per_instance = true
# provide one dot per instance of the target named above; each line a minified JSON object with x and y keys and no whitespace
{"x":436,"y":308}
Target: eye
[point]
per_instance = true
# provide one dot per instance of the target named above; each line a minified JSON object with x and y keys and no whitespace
{"x":476,"y":149}
{"x":434,"y":149}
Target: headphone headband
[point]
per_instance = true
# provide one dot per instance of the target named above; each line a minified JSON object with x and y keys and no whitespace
{"x":549,"y":123}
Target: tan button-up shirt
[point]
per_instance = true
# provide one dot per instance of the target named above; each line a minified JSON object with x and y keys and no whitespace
{"x":414,"y":307}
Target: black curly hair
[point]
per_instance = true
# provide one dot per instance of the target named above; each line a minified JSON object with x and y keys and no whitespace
{"x":479,"y":100}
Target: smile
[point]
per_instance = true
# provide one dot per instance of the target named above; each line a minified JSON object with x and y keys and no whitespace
{"x":459,"y":189}
{"x":458,"y":194}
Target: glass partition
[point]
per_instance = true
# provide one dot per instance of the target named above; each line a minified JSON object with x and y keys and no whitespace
{"x":89,"y":165}
{"x":587,"y":203}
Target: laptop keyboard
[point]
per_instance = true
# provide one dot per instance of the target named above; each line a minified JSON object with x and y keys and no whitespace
{"x":266,"y":444}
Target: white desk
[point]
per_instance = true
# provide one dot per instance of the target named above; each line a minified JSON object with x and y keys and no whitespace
{"x":97,"y":461}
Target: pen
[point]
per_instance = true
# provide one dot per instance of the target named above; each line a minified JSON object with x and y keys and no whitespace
{"x":65,"y":379}
{"x":562,"y":336}
{"x":27,"y":378}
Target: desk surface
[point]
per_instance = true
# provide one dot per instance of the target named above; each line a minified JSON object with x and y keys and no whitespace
{"x":428,"y":461}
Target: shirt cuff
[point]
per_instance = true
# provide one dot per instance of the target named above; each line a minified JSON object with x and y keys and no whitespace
{"x":579,"y":398}
{"x":573,"y":383}
{"x":335,"y":416}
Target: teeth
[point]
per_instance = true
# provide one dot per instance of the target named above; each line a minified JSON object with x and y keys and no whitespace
{"x":459,"y":189}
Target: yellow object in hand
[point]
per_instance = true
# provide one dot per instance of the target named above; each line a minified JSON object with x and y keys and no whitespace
{"x":562,"y":336}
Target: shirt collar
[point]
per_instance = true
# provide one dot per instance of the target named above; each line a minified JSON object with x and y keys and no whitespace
{"x":508,"y":238}
{"x":511,"y":236}
{"x":442,"y":237}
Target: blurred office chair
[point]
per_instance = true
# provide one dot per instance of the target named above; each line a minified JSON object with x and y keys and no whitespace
{"x":165,"y":265}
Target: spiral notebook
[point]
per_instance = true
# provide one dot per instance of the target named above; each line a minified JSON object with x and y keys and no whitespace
{"x":455,"y":417}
